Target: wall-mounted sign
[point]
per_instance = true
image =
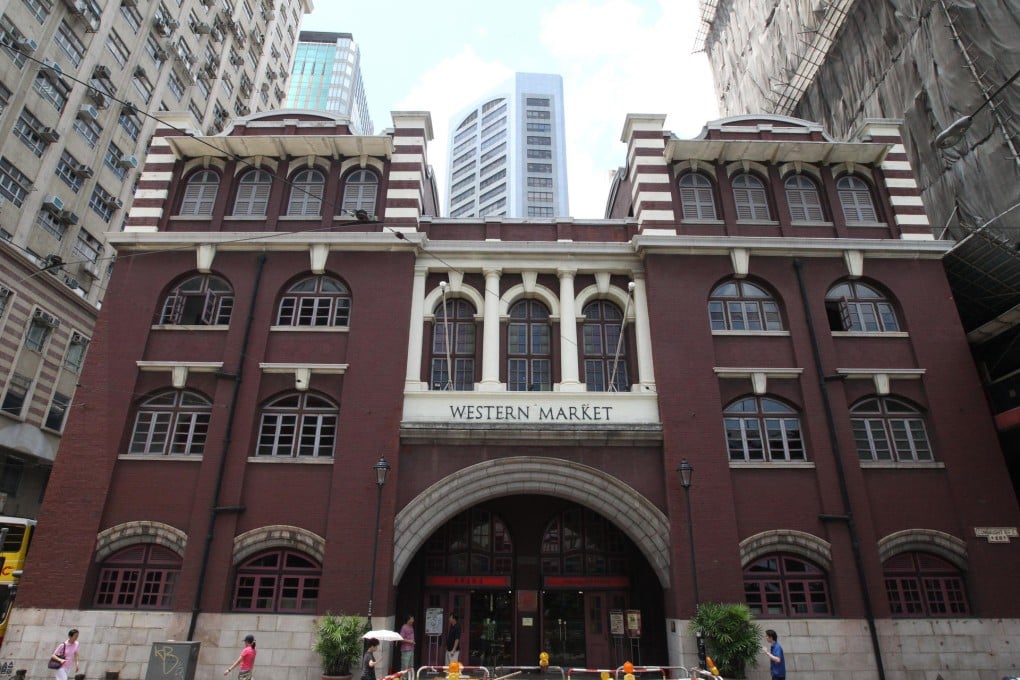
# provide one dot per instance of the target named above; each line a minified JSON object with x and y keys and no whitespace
{"x":996,"y":534}
{"x":527,"y":600}
{"x":586,"y":582}
{"x":468,"y":581}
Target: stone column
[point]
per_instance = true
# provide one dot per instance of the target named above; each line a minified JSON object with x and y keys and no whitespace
{"x":646,"y":371}
{"x":412,"y":379}
{"x":569,"y":381}
{"x":490,"y":332}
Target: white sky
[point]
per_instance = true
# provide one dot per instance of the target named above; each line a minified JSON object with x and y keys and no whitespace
{"x":616,"y":57}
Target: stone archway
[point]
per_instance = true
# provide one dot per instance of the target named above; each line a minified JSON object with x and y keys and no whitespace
{"x":634,"y":514}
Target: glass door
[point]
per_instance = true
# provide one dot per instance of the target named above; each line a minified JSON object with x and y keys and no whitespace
{"x":491,"y":640}
{"x":563,"y":628}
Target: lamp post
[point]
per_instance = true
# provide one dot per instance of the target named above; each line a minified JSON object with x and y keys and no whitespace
{"x":955,"y":132}
{"x":686,"y":471}
{"x":382,"y":468}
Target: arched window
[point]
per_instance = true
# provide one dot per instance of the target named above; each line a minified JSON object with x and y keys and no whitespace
{"x":739,"y":305}
{"x":889,"y":429}
{"x":605,"y":368}
{"x":278,"y":581}
{"x":920,"y":584}
{"x":298,"y":425}
{"x":200,"y":193}
{"x":802,"y":197}
{"x":253,"y":193}
{"x":139,"y":577}
{"x":858,"y":308}
{"x":306,"y":193}
{"x":453,"y":345}
{"x":697,"y":197}
{"x":173,"y":423}
{"x":475,"y":542}
{"x":763,"y":429}
{"x":315,"y":301}
{"x":855,"y":197}
{"x":785,"y":586}
{"x":750,"y":198}
{"x":360,"y":191}
{"x":581,"y":542}
{"x":529,"y":334}
{"x":202,"y":300}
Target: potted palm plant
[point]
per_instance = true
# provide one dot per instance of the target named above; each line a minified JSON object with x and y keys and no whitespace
{"x":338,"y":643}
{"x":732,"y":638}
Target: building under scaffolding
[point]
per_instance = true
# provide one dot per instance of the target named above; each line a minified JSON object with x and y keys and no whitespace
{"x":930,"y":63}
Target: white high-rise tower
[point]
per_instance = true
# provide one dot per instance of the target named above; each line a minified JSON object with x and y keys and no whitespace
{"x":508,"y":152}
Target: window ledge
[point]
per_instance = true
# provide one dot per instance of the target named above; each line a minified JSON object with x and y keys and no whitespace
{"x":762,"y":223}
{"x":881,"y":225}
{"x":861,"y":334}
{"x":192,"y":218}
{"x":181,"y":327}
{"x":762,"y":333}
{"x":903,"y":464}
{"x":243,"y":218}
{"x":810,"y":223}
{"x":311,"y":329}
{"x":196,"y":457}
{"x":772,"y":464}
{"x":702,"y":221}
{"x":299,"y":218}
{"x":16,"y":418}
{"x":300,"y":460}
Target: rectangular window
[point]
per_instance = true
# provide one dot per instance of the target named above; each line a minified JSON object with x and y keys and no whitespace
{"x":55,"y":92}
{"x":49,"y":222}
{"x":75,"y":356}
{"x":492,"y":141}
{"x":39,"y":9}
{"x":57,"y":412}
{"x":539,"y":153}
{"x":131,"y":123}
{"x":117,"y":48}
{"x":67,"y":170}
{"x":11,"y":35}
{"x":537,"y":211}
{"x":537,"y":101}
{"x":489,"y":181}
{"x":100,"y":202}
{"x":88,"y":129}
{"x":498,"y":163}
{"x":14,"y":184}
{"x":203,"y":88}
{"x":539,"y":127}
{"x":540,"y":196}
{"x":541,"y":115}
{"x":5,"y":97}
{"x":539,"y":167}
{"x":540,"y":181}
{"x":541,"y":141}
{"x":111,"y":160}
{"x":492,"y":153}
{"x":13,"y":471}
{"x":14,"y":400}
{"x":155,"y":50}
{"x":5,"y":296}
{"x":142,"y":85}
{"x":489,"y":195}
{"x":39,"y":330}
{"x":70,"y":43}
{"x":25,"y":129}
{"x":87,"y":247}
{"x":132,"y":16}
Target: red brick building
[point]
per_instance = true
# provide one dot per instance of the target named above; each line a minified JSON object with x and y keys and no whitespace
{"x":763,"y":302}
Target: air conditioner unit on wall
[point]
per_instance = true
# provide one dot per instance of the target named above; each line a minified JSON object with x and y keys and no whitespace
{"x":25,"y":44}
{"x":48,"y":134}
{"x":68,"y":217}
{"x":127,"y":162}
{"x":115,"y":203}
{"x":101,"y":71}
{"x":91,"y":268}
{"x":53,"y":203}
{"x":51,"y":70}
{"x":88,"y":112}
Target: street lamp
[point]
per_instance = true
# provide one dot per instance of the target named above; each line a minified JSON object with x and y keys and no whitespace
{"x":382,"y":468}
{"x":686,"y":470}
{"x":955,"y":132}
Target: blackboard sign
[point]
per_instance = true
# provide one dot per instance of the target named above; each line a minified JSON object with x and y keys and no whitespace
{"x":173,"y":661}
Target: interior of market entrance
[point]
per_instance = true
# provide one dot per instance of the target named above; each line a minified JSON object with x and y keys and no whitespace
{"x":528,"y":574}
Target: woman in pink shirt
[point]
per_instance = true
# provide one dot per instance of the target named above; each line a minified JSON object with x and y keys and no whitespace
{"x":67,"y":652}
{"x":246,"y":661}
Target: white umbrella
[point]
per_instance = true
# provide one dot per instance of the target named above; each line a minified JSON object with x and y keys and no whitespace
{"x":383,"y":636}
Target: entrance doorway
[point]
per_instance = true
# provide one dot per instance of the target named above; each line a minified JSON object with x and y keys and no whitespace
{"x":563,"y":630}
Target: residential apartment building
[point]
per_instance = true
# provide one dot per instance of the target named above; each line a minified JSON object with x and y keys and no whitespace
{"x":931,"y":64}
{"x":82,"y":84}
{"x":507,"y":152}
{"x":753,"y":308}
{"x":327,"y":77}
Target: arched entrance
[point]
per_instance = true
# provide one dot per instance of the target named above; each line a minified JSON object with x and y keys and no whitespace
{"x":532,"y":569}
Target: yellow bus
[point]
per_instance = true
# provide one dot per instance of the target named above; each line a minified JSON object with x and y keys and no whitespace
{"x":17,"y":535}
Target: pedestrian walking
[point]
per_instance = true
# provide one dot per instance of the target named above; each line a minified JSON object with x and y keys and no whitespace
{"x":774,"y":651}
{"x":67,"y":655}
{"x":246,"y":661}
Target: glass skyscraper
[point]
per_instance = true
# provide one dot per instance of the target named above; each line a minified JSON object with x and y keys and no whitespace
{"x":327,"y":77}
{"x":508,"y":152}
